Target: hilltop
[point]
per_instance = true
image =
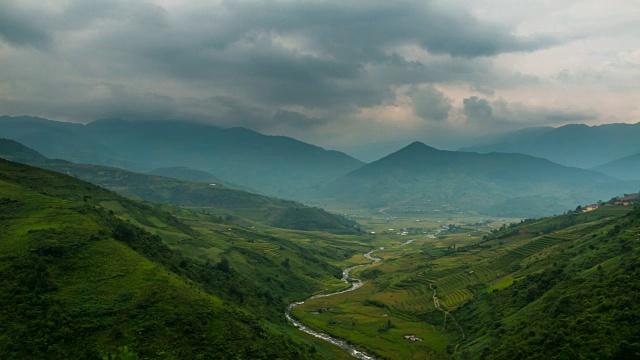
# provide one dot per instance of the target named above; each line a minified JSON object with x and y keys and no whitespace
{"x":422,"y":178}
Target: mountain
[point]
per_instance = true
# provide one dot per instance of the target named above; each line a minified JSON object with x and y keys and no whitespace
{"x":626,"y":168}
{"x":576,"y":145}
{"x":60,"y":140}
{"x":273,"y":165}
{"x":14,"y":151}
{"x":210,"y":197}
{"x":184,"y":173}
{"x":422,"y":178}
{"x":87,"y":272}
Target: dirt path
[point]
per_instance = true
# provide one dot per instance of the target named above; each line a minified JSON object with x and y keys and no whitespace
{"x":436,"y":303}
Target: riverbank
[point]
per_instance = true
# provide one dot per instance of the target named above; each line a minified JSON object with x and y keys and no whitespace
{"x":355,"y":284}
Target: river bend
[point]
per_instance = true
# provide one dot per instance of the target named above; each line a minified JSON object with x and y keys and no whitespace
{"x":355,"y":284}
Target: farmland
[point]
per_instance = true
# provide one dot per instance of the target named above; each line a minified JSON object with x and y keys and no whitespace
{"x":459,"y":257}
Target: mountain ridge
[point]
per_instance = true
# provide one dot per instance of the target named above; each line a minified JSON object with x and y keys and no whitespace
{"x":597,"y":144}
{"x":274,"y":165}
{"x":421,"y":177}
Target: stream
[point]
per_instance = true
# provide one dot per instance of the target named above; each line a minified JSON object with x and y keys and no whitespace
{"x":355,"y":284}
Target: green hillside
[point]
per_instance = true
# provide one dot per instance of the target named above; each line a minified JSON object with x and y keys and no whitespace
{"x":210,"y":197}
{"x":216,"y":198}
{"x":86,"y":271}
{"x":422,"y":178}
{"x":577,"y":299}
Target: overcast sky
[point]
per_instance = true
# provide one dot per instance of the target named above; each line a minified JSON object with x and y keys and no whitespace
{"x":360,"y":76}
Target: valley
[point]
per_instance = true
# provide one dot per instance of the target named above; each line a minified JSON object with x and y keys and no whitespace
{"x":410,"y":303}
{"x":400,"y":265}
{"x":319,"y":180}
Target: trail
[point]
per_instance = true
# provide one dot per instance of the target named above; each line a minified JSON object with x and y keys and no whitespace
{"x":436,"y":303}
{"x":355,"y":284}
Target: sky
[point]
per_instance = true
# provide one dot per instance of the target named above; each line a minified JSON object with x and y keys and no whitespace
{"x":363,"y":77}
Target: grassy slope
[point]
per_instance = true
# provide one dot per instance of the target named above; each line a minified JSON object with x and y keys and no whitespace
{"x":79,"y":280}
{"x":217,"y":199}
{"x":578,"y":299}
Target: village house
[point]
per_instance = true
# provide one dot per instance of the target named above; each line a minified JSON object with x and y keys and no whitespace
{"x":590,"y":208}
{"x":412,"y":338}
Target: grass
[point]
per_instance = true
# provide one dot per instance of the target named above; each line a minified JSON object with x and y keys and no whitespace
{"x":501,"y":284}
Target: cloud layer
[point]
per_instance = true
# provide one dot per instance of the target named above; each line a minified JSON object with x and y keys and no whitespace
{"x":339,"y":74}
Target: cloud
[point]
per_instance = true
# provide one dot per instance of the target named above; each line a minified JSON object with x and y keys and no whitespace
{"x":478,"y":110}
{"x":297,"y":120}
{"x":431,"y":104}
{"x":481,"y":112}
{"x":18,"y":29}
{"x":483,"y":90}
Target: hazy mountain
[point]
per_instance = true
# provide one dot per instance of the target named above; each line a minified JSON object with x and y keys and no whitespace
{"x":234,"y":204}
{"x":422,"y":178}
{"x":14,"y":151}
{"x":626,"y":168}
{"x":60,"y":140}
{"x":184,"y":173}
{"x":275,"y":165}
{"x":571,"y":145}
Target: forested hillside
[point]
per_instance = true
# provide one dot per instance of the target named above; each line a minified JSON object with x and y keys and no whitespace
{"x":86,"y":271}
{"x":576,"y":300}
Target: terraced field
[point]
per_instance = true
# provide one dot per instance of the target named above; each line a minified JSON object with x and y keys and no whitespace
{"x":268,"y":249}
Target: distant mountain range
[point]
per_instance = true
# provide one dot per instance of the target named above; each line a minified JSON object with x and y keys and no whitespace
{"x":273,"y":165}
{"x":184,"y":173}
{"x":626,"y":168}
{"x":510,"y":176}
{"x":211,"y":197}
{"x":421,"y":178}
{"x":576,"y":145}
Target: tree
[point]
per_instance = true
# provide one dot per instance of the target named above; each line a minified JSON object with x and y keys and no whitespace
{"x":123,"y":353}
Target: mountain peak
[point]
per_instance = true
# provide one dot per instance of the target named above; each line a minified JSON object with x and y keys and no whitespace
{"x":418,"y":145}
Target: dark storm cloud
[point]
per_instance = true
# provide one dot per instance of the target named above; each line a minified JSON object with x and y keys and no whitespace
{"x":478,"y":110}
{"x":499,"y":112}
{"x":18,"y":29}
{"x":431,"y":104}
{"x":308,"y":53}
{"x":338,"y":26}
{"x":263,"y":58}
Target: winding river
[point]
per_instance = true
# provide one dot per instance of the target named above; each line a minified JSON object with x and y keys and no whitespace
{"x":355,"y":284}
